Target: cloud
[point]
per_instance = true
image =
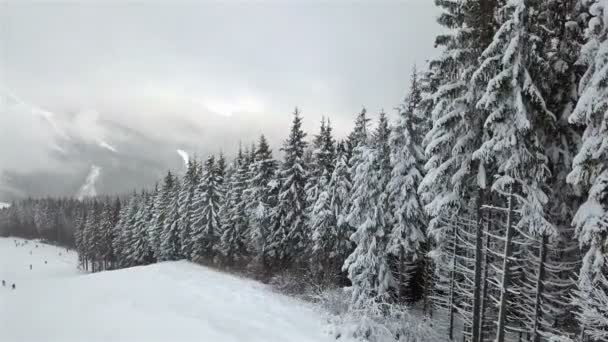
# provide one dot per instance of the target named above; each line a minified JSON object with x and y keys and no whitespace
{"x":88,"y":188}
{"x":123,"y":85}
{"x":107,"y":146}
{"x":184,"y":156}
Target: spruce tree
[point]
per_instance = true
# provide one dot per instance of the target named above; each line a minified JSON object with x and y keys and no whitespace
{"x":517,"y":124}
{"x":331,"y":243}
{"x":186,"y":206}
{"x":260,"y":200}
{"x":406,"y":213}
{"x":321,"y":165}
{"x":170,"y":243}
{"x":367,"y":265}
{"x":162,"y":208}
{"x":290,"y":239}
{"x":590,"y":174}
{"x":233,"y":242}
{"x":206,"y":219}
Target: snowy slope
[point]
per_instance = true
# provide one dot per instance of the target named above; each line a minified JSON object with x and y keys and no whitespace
{"x":176,"y":301}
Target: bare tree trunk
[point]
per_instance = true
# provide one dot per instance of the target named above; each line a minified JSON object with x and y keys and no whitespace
{"x":483,"y":301}
{"x":477,"y":278}
{"x":504,"y":286}
{"x":452,"y":281}
{"x":539,"y":287}
{"x":400,"y":288}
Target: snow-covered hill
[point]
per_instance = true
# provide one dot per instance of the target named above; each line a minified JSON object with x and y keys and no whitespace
{"x":174,"y":301}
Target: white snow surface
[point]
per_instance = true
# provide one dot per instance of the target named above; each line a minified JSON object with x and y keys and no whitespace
{"x":172,"y":301}
{"x":4,"y":205}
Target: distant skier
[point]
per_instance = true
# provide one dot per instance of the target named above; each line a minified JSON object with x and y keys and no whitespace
{"x":30,"y":267}
{"x":45,"y":262}
{"x":3,"y":282}
{"x":13,"y":286}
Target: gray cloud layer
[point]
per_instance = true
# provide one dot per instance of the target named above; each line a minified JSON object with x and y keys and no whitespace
{"x":123,"y":85}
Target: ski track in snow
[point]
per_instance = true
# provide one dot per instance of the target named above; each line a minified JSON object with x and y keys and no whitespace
{"x":173,"y":301}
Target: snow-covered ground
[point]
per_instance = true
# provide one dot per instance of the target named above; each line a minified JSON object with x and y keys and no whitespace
{"x":174,"y":301}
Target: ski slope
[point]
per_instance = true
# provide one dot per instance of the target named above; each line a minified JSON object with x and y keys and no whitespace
{"x":173,"y":301}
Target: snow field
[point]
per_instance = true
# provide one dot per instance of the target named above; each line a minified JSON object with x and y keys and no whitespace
{"x":173,"y":301}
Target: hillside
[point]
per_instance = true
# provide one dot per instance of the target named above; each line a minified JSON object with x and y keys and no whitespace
{"x":174,"y":301}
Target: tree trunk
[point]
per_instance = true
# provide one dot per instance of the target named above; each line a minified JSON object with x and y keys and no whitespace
{"x":477,"y":278}
{"x":452,"y":281}
{"x":504,"y":286}
{"x":483,"y":301}
{"x":542,"y":256}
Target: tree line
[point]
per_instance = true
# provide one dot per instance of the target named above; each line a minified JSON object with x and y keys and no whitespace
{"x":486,"y":201}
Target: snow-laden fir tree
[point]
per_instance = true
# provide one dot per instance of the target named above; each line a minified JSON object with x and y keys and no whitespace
{"x":359,"y":134}
{"x":162,"y":208}
{"x":518,"y":116}
{"x":186,"y":206}
{"x":289,"y":239}
{"x":323,"y":225}
{"x":120,"y":231}
{"x":380,"y":141}
{"x":233,"y":242}
{"x":109,"y":220}
{"x":260,"y":200}
{"x":321,"y":165}
{"x":367,"y":265}
{"x":138,"y":248}
{"x":406,"y":214}
{"x":331,"y":241}
{"x":220,"y":170}
{"x":206,"y":219}
{"x":590,"y":174}
{"x":170,"y":242}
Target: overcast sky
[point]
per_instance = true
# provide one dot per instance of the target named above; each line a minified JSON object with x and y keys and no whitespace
{"x":129,"y":77}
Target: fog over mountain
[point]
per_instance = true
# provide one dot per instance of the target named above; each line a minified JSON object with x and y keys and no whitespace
{"x":135,"y":82}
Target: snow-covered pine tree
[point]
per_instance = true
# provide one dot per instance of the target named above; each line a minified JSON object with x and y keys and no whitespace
{"x":380,"y":141}
{"x":108,"y":222}
{"x":367,"y":265}
{"x":359,"y":134}
{"x":186,"y":206}
{"x":546,"y":306}
{"x":513,"y":64}
{"x":206,"y":219}
{"x":80,"y":221}
{"x":322,"y":223}
{"x":336,"y":243}
{"x":450,"y":190}
{"x":141,"y":250}
{"x":162,"y":208}
{"x":170,"y":243}
{"x":91,"y":236}
{"x":590,"y":174}
{"x":289,"y":239}
{"x":119,"y":241}
{"x":233,"y":242}
{"x":220,"y":171}
{"x":322,"y":165}
{"x":259,"y":196}
{"x":406,"y":218}
{"x":133,"y":246}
